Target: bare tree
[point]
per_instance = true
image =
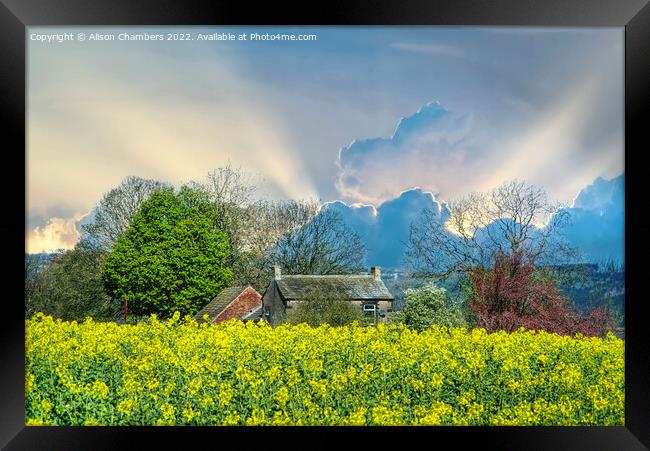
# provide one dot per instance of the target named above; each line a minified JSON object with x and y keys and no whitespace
{"x":253,"y":226}
{"x":265,"y":223}
{"x":512,"y":217}
{"x":323,"y":245}
{"x":231,"y":192}
{"x":276,"y":219}
{"x":113,"y":214}
{"x":263,"y":232}
{"x":245,"y":220}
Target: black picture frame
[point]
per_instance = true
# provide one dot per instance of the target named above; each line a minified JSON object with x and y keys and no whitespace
{"x":17,"y":15}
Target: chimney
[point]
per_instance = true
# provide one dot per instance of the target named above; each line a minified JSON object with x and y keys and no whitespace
{"x":376,"y":272}
{"x":278,"y":272}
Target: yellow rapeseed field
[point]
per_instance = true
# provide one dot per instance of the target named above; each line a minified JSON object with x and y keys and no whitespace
{"x":179,"y":373}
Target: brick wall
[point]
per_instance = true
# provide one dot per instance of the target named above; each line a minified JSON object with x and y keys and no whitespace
{"x":241,"y":306}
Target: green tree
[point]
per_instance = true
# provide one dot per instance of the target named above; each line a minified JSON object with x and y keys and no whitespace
{"x":70,"y":287}
{"x":318,"y":308}
{"x":171,"y":257}
{"x":425,"y":306}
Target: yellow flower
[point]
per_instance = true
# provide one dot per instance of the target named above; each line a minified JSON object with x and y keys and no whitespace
{"x":29,"y":383}
{"x":36,"y":422}
{"x":358,"y":418}
{"x":46,"y":405}
{"x":225,"y":394}
{"x":173,"y":371}
{"x":339,"y":382}
{"x":125,"y":406}
{"x":382,"y":415}
{"x":232,"y":419}
{"x":282,"y":396}
{"x":168,"y":413}
{"x":320,"y":387}
{"x":99,"y":389}
{"x":189,"y":414}
{"x":274,"y":372}
{"x":257,"y":418}
{"x":91,"y":422}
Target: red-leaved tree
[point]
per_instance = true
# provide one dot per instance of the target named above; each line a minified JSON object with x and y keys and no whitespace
{"x":510,"y":295}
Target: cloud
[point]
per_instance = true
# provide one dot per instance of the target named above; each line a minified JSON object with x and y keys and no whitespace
{"x":602,"y":196}
{"x":126,"y":111}
{"x":172,"y":112}
{"x":562,"y":149}
{"x":385,"y":229}
{"x":58,"y":233}
{"x":427,"y":149}
{"x":596,"y":228}
{"x":562,"y":134}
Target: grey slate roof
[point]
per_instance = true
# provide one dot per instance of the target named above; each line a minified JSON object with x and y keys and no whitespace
{"x":219,"y":303}
{"x":354,"y":286}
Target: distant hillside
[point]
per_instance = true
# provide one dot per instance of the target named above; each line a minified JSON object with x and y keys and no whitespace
{"x":597,"y":288}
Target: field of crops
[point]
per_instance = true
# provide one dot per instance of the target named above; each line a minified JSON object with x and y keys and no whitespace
{"x":179,"y":373}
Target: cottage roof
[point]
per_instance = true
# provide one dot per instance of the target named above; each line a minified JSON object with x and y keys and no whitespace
{"x":362,"y":287}
{"x":219,"y":303}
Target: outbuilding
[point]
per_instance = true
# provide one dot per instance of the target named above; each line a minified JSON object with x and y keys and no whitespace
{"x":243,"y":303}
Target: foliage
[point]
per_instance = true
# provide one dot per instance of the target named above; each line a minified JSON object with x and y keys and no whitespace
{"x":239,"y":373}
{"x":396,"y":317}
{"x":69,"y":286}
{"x":425,"y":306}
{"x":171,"y":257}
{"x":34,"y":265}
{"x":318,"y":308}
{"x":511,"y":295}
{"x":115,"y":210}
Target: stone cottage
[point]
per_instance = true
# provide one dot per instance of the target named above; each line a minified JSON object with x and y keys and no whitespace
{"x":367,"y":291}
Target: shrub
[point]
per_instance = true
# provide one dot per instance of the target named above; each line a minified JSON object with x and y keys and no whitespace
{"x":318,"y":308}
{"x":425,"y":306}
{"x":511,"y":295}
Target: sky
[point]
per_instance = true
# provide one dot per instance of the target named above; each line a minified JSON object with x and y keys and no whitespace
{"x":359,"y":115}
